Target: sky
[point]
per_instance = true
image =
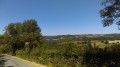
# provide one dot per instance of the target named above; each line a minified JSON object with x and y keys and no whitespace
{"x":56,"y":17}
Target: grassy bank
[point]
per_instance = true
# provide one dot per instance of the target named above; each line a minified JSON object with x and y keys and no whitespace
{"x":73,"y":56}
{"x":67,"y":55}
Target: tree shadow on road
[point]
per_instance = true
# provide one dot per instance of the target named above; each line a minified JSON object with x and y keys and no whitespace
{"x":10,"y":66}
{"x":3,"y":60}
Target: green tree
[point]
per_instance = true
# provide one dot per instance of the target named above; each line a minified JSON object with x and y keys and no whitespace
{"x":18,"y":34}
{"x":11,"y":36}
{"x":111,"y":12}
{"x":32,"y":34}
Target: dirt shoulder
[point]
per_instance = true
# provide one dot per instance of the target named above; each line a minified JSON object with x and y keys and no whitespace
{"x":30,"y":63}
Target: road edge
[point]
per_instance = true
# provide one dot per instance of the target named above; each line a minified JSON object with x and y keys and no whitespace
{"x":30,"y":63}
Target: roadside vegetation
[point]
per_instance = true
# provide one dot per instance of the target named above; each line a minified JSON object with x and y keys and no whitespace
{"x":26,"y":41}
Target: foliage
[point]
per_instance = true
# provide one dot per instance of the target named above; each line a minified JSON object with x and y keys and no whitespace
{"x":70,"y":55}
{"x":56,"y":55}
{"x":111,"y":12}
{"x":102,"y":57}
{"x":25,"y":40}
{"x":18,"y":34}
{"x":106,"y":42}
{"x":5,"y":49}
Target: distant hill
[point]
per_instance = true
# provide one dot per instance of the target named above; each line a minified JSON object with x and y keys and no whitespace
{"x":114,"y":35}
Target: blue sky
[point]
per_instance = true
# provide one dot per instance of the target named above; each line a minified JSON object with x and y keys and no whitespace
{"x":56,"y":17}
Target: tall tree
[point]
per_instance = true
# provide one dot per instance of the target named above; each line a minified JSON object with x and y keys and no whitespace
{"x":12,"y":32}
{"x":111,"y":12}
{"x":18,"y":34}
{"x":32,"y":33}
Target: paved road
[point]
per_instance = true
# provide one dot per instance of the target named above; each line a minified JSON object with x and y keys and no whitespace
{"x":8,"y":61}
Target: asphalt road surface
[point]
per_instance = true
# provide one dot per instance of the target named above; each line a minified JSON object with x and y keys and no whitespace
{"x":8,"y":61}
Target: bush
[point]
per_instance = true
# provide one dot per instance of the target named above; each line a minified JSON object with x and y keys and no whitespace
{"x":106,"y":42}
{"x":70,"y":55}
{"x":62,"y":55}
{"x":107,"y":57}
{"x":5,"y":49}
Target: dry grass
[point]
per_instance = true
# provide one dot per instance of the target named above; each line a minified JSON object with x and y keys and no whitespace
{"x":31,"y":64}
{"x":114,"y":41}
